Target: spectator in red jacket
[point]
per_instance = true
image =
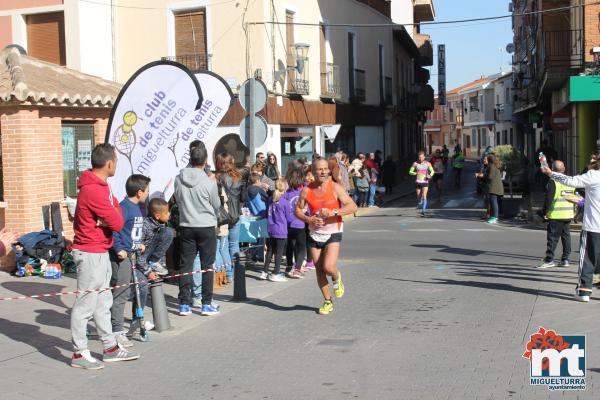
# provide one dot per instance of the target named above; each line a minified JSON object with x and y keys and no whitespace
{"x":97,"y":215}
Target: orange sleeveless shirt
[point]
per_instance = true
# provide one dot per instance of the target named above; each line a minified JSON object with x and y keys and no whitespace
{"x":328,"y":200}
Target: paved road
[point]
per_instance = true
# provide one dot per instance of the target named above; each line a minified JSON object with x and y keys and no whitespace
{"x":435,"y":308}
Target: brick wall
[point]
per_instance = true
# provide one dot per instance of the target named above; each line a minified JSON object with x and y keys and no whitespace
{"x":592,"y":29}
{"x":32,"y":161}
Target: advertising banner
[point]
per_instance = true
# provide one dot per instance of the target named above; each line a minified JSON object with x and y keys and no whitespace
{"x":160,"y":110}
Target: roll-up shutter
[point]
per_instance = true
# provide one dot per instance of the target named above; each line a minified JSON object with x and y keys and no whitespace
{"x":46,"y":37}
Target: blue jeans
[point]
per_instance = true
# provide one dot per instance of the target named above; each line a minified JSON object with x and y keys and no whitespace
{"x":223,"y":259}
{"x":144,"y":290}
{"x":372,"y":190}
{"x":494,"y":205}
{"x":234,"y":240}
{"x":197,"y":278}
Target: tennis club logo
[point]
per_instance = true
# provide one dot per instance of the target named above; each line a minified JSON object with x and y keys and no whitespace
{"x":556,"y":361}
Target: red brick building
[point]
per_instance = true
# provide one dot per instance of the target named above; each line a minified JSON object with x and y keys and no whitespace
{"x":50,"y":119}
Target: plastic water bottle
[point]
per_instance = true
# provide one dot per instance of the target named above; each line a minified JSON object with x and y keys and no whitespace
{"x":543,"y":161}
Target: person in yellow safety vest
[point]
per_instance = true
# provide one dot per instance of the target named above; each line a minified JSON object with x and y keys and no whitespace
{"x":559,"y":213}
{"x":458,"y":163}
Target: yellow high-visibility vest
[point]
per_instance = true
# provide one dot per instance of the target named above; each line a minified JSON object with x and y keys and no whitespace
{"x":560,"y":207}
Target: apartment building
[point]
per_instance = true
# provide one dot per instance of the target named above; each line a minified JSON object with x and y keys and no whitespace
{"x":320,"y":65}
{"x":503,"y":111}
{"x":556,"y":68}
{"x":477,"y":114}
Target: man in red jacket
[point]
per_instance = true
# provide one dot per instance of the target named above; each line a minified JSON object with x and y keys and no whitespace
{"x":98,"y":214}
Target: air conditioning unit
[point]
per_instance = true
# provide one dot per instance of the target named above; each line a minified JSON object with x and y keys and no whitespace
{"x":511,"y":7}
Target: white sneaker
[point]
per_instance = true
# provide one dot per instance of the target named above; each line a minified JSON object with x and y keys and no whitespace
{"x":85,"y":360}
{"x":547,"y":265}
{"x":122,"y":339}
{"x":263,"y":276}
{"x":564,"y":263}
{"x":277,"y":278}
{"x":582,"y":295}
{"x":159,"y":269}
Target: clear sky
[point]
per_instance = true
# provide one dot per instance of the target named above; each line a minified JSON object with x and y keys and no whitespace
{"x":472,"y":49}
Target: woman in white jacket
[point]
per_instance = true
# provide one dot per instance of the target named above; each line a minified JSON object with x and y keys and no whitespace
{"x":589,"y":245}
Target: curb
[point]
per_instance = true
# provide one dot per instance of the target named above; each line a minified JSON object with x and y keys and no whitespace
{"x":365,"y":211}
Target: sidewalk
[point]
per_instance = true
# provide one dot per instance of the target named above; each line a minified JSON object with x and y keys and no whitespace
{"x":37,"y":330}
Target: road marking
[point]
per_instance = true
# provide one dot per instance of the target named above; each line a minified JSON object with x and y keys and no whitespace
{"x":427,"y":230}
{"x":478,"y":230}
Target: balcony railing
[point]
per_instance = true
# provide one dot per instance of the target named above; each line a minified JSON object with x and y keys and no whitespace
{"x":194,"y":62}
{"x":360,"y":92}
{"x":300,"y":84}
{"x":562,"y":49}
{"x":330,"y":81}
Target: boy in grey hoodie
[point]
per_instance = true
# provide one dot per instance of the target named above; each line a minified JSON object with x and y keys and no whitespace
{"x":198,"y":202}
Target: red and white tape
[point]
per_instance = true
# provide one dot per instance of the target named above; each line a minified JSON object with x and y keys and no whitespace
{"x":43,"y":295}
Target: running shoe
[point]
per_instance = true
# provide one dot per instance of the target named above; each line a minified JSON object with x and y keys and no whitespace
{"x":122,"y":339}
{"x":338,"y":286}
{"x":564,"y":263}
{"x":326,"y":308}
{"x":184,"y":309}
{"x":548,"y":264}
{"x":297,"y":274}
{"x":118,"y":353}
{"x":159,"y":269}
{"x":85,"y":360}
{"x":277,"y":278}
{"x":310,"y":265}
{"x":582,"y":295}
{"x":492,"y":220}
{"x":263,"y":276}
{"x":210,"y":309}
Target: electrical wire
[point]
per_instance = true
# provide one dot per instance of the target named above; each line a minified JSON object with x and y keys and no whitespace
{"x":391,"y":25}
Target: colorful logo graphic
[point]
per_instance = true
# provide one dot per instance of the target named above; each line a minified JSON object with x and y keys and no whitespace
{"x":125,"y":139}
{"x":556,"y":361}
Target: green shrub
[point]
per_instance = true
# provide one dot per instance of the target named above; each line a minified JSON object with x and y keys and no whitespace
{"x":513,"y":161}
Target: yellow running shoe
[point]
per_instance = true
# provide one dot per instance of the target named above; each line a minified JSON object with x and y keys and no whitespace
{"x":327,"y":308}
{"x":338,"y":286}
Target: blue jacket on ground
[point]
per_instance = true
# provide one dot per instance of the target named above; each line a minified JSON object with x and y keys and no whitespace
{"x":292,"y":196}
{"x":278,"y":218}
{"x":132,"y":230}
{"x":257,"y":201}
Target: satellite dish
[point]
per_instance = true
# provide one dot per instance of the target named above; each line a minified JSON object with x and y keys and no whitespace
{"x":510,"y":48}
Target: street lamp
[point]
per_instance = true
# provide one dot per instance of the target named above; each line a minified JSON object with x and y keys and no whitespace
{"x":300,"y":53}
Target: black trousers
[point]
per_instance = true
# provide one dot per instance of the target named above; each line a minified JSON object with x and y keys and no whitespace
{"x":277,"y":247}
{"x":192,"y":241}
{"x":296,"y":248}
{"x":558,"y":229}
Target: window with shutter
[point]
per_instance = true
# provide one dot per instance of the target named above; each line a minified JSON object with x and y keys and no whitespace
{"x":190,"y":39}
{"x":77,"y":145}
{"x":46,"y":37}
